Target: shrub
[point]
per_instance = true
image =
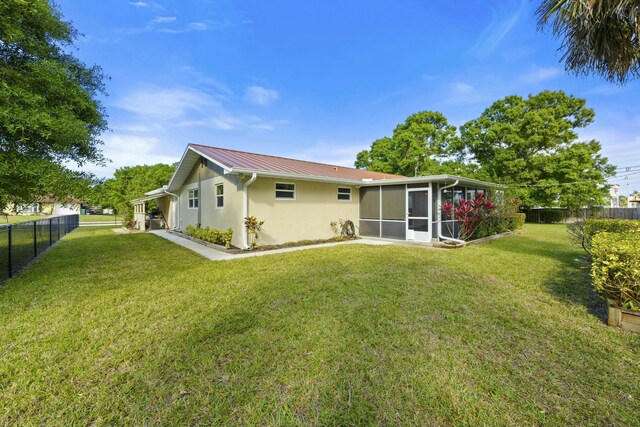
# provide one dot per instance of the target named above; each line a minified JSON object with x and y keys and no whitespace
{"x":616,"y":268}
{"x":254,"y":228}
{"x":211,"y":235}
{"x":551,"y":216}
{"x":470,"y":214}
{"x":582,"y":232}
{"x":517,"y":221}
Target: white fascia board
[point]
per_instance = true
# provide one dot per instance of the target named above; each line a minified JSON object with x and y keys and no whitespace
{"x":173,"y":182}
{"x":160,"y":190}
{"x":430,"y":178}
{"x":294,"y":176}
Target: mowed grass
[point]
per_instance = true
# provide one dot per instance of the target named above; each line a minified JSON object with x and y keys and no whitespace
{"x":113,"y":329}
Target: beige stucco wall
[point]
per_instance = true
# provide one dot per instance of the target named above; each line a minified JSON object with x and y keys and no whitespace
{"x":306,"y":217}
{"x":230,"y":216}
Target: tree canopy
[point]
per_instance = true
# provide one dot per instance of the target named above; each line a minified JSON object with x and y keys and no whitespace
{"x":419,"y":146}
{"x":529,"y":144}
{"x":131,"y":182}
{"x":600,"y":37}
{"x":49,"y":111}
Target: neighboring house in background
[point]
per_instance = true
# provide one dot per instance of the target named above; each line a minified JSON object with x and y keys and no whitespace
{"x":44,"y":206}
{"x":614,"y":195}
{"x":297,"y":200}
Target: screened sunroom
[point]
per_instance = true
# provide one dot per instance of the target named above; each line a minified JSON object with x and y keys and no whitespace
{"x":409,"y":208}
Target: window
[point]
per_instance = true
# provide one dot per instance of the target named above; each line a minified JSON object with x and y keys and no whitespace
{"x":219,"y":196}
{"x":285,"y":191}
{"x":193,"y":199}
{"x":344,"y":193}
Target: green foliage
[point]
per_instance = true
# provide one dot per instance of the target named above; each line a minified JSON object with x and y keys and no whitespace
{"x":253,"y":227}
{"x":616,"y":268}
{"x":49,"y":112}
{"x":128,"y":183}
{"x":531,"y":144}
{"x":551,"y":216}
{"x":345,"y":228}
{"x":593,"y":226}
{"x":599,"y":37}
{"x":419,"y":146}
{"x":211,"y":235}
{"x":505,"y":217}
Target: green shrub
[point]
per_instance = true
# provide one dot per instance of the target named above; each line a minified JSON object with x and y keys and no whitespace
{"x":616,"y":268}
{"x":211,"y":235}
{"x":593,"y":226}
{"x":552,"y":216}
{"x":517,"y":221}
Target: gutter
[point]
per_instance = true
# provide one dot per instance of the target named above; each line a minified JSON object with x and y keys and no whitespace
{"x":245,"y":209}
{"x":440,"y":236}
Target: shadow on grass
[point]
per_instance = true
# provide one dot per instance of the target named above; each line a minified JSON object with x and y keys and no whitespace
{"x":572,"y":283}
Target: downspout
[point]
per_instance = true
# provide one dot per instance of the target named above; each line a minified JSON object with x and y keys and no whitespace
{"x":245,"y":209}
{"x":440,"y":236}
{"x":176,"y":210}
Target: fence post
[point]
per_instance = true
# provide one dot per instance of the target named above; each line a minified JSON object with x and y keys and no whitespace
{"x":58,"y":227}
{"x":35,"y":238}
{"x":50,"y":231}
{"x":9,"y":251}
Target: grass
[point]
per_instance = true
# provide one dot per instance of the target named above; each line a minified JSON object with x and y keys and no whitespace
{"x":14,"y":219}
{"x":129,"y":329}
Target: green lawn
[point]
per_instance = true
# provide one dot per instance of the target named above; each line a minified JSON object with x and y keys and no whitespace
{"x":129,"y":329}
{"x":14,"y":219}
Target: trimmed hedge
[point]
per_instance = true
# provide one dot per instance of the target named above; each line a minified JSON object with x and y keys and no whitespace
{"x":593,"y":226}
{"x":211,"y":235}
{"x":616,"y":268}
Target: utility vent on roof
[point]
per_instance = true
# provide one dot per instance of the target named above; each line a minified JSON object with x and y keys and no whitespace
{"x":367,"y":179}
{"x":335,"y":169}
{"x":203,"y":162}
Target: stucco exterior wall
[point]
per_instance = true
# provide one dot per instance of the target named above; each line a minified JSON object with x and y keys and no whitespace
{"x":229,"y":216}
{"x":307,"y":217}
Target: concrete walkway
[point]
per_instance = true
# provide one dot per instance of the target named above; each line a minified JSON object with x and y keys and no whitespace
{"x":216,"y":255}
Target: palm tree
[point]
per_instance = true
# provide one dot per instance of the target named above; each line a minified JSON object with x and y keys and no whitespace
{"x":599,"y":36}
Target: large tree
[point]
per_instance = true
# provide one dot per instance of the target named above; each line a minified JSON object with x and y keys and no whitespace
{"x":49,"y":111}
{"x":131,"y":182}
{"x":601,"y":36}
{"x":419,"y":146}
{"x":531,"y":145}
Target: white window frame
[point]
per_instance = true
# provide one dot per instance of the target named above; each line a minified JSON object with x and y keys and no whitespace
{"x":293,"y":192}
{"x":219,"y":196}
{"x":343,"y":194}
{"x":191,"y":197}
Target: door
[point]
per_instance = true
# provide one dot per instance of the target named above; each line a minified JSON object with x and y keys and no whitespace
{"x":419,"y":214}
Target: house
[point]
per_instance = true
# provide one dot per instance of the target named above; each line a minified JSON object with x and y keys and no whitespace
{"x":45,"y":206}
{"x":297,"y":200}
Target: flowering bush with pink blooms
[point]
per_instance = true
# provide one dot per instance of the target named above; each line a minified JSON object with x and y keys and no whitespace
{"x":470,"y":214}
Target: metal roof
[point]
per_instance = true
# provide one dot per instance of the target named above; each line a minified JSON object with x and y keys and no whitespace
{"x":241,"y":160}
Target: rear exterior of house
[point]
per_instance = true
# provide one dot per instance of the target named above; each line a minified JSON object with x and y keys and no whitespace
{"x":298,"y":200}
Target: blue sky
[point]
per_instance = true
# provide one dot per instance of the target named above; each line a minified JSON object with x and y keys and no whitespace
{"x":321,"y":80}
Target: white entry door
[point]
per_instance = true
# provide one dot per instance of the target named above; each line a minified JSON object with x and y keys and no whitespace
{"x":419,"y":214}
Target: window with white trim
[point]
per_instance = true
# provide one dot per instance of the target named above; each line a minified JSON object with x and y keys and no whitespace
{"x":193,"y":199}
{"x":344,"y":193}
{"x":285,"y":191}
{"x":219,"y":196}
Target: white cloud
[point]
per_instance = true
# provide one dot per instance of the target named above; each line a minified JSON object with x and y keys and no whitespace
{"x":164,"y":19}
{"x":197,"y":26}
{"x":331,"y":152}
{"x":461,"y":88}
{"x":128,"y":150}
{"x":540,"y":74}
{"x":150,"y":5}
{"x":167,"y":104}
{"x":500,"y":26}
{"x":259,"y":95}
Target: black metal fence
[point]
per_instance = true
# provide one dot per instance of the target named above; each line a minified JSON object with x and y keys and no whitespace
{"x":21,"y":243}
